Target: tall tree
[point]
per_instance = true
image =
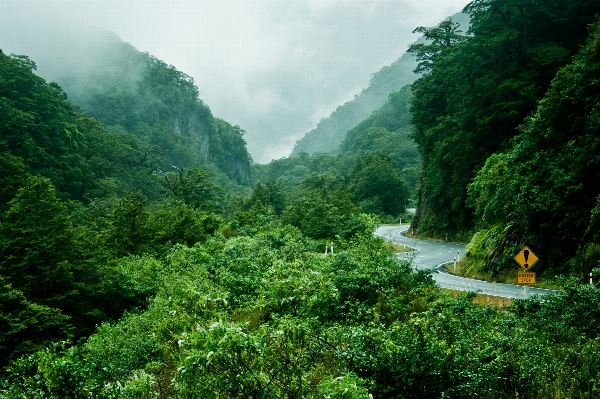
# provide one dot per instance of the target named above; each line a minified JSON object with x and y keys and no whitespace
{"x":26,"y":326}
{"x":35,"y":245}
{"x":376,"y":183}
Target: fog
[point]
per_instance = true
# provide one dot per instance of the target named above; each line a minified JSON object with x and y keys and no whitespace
{"x":275,"y":68}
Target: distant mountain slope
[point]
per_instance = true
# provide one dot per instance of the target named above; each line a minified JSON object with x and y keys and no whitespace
{"x":133,"y":92}
{"x":331,"y":131}
{"x":388,"y":130}
{"x":43,"y":134}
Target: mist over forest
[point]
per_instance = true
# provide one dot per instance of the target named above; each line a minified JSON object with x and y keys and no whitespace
{"x":274,"y":68}
{"x":145,"y":252}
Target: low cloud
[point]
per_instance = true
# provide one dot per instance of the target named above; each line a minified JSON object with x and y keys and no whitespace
{"x":273,"y":67}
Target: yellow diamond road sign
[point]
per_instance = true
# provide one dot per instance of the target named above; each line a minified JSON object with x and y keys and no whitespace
{"x":526,"y":258}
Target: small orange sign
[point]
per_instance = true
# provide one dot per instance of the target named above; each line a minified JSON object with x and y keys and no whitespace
{"x":526,"y":258}
{"x":525,"y":278}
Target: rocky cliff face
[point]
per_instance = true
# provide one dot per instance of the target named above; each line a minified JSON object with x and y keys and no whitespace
{"x":196,"y":131}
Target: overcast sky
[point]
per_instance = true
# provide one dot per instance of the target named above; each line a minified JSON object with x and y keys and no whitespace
{"x":275,"y":68}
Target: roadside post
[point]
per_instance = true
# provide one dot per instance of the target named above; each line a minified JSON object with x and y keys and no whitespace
{"x":458,"y":256}
{"x":526,"y":258}
{"x":591,"y":281}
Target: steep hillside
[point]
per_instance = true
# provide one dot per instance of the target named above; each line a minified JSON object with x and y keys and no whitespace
{"x":44,"y":134}
{"x":544,"y":191}
{"x":331,"y":131}
{"x":133,"y":92}
{"x":506,"y":122}
{"x":388,"y":130}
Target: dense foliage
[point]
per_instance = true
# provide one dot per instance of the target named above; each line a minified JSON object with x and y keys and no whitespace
{"x":476,"y":89}
{"x":544,"y":191}
{"x":264,"y":315}
{"x":325,"y":190}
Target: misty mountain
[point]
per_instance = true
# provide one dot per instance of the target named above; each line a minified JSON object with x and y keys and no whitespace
{"x":133,"y":92}
{"x":330,"y":131}
{"x":388,"y":130}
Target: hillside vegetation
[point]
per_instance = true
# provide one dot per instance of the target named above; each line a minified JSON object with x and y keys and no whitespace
{"x":376,"y":169}
{"x":503,"y":118}
{"x":131,"y":92}
{"x":330,"y":131}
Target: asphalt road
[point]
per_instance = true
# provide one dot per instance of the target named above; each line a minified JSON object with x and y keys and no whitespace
{"x":433,"y":254}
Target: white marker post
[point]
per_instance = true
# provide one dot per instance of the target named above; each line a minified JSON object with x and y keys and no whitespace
{"x":332,"y":248}
{"x":326,"y":247}
{"x":591,"y":281}
{"x":459,"y":256}
{"x":455,"y":263}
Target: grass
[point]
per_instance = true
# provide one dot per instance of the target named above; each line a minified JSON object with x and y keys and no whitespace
{"x":397,"y":247}
{"x":482,"y":299}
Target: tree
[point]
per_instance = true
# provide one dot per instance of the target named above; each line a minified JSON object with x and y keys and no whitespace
{"x":128,"y":232}
{"x":439,"y":40}
{"x":375,"y":183}
{"x":25,"y":326}
{"x":269,"y":194}
{"x":194,"y":189}
{"x":35,"y":245}
{"x":323,"y":208}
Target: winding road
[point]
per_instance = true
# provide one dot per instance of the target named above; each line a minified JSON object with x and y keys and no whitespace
{"x":433,"y":254}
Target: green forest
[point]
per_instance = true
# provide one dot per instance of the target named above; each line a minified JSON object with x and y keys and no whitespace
{"x":143,"y":254}
{"x":505,"y":118}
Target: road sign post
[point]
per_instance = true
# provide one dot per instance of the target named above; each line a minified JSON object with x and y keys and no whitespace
{"x":526,"y":258}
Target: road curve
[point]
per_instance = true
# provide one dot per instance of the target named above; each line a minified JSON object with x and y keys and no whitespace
{"x":433,"y":254}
